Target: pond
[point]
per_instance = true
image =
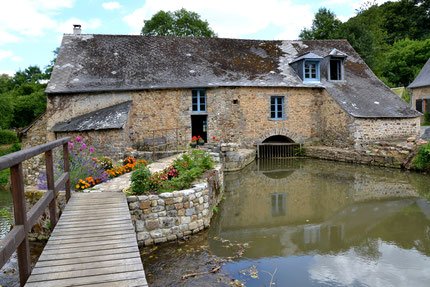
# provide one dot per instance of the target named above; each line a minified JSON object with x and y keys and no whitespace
{"x":307,"y":223}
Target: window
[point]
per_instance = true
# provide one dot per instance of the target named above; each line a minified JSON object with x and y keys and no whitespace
{"x":419,"y":105}
{"x":278,"y":204}
{"x":198,"y":101}
{"x":277,"y":108}
{"x":311,"y":71}
{"x":335,"y":70}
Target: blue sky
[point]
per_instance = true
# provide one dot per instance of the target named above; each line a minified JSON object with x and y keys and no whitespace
{"x":31,"y":29}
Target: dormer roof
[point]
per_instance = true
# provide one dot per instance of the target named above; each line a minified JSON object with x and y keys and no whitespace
{"x":336,"y":53}
{"x":307,"y":56}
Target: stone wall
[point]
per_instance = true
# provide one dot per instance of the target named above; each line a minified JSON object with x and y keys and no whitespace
{"x":419,"y":93}
{"x":173,"y":215}
{"x":235,"y":158}
{"x":370,"y":130}
{"x":388,"y":154}
{"x":35,"y":136}
{"x":334,"y":124}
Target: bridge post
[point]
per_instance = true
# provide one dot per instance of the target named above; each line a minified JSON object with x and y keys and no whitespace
{"x":20,"y":214}
{"x":51,"y":187}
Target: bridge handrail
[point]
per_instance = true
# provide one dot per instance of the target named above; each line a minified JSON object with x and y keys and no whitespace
{"x":17,"y":238}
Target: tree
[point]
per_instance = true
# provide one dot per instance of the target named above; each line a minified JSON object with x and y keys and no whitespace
{"x":405,"y":60}
{"x":50,"y":67}
{"x":324,"y":26}
{"x":178,"y":23}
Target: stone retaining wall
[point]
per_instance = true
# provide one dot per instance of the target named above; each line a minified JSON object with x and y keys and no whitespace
{"x":235,"y":158}
{"x":173,"y":215}
{"x":388,"y":154}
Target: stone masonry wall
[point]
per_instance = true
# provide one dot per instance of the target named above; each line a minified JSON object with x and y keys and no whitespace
{"x":172,"y":215}
{"x":419,"y":93}
{"x":334,"y":123}
{"x":370,"y":130}
{"x":35,"y":136}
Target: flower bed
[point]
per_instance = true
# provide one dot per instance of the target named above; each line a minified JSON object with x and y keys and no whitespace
{"x":87,"y":170}
{"x":179,"y":175}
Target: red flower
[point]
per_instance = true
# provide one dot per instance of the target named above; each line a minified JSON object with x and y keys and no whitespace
{"x":213,"y":137}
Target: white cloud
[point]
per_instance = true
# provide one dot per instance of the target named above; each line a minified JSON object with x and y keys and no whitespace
{"x":111,"y":5}
{"x":5,"y":54}
{"x":233,"y":19}
{"x":28,"y":18}
{"x":394,"y":267}
{"x":67,"y":26}
{"x":17,"y":59}
{"x":7,"y":72}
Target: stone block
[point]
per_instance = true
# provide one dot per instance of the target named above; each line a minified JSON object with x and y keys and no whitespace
{"x":171,"y":237}
{"x":186,"y":204}
{"x":154,"y":203}
{"x":149,"y":242}
{"x":181,"y":212}
{"x":191,"y":197}
{"x":172,"y":213}
{"x":153,"y":197}
{"x":144,"y":204}
{"x":167,"y":222}
{"x":166,"y":195}
{"x":179,"y":206}
{"x":178,"y":199}
{"x":157,"y":208}
{"x":185,"y":219}
{"x":131,"y":198}
{"x":142,"y":197}
{"x":133,"y":205}
{"x":189,"y":211}
{"x":142,"y":236}
{"x":156,"y":234}
{"x":140,"y":225}
{"x":168,"y":201}
{"x":201,"y":200}
{"x":192,"y":225}
{"x":199,"y":194}
{"x":187,"y":232}
{"x":152,"y":224}
{"x":183,"y":227}
{"x":160,"y":240}
{"x":188,"y":192}
{"x":147,"y":211}
{"x":194,"y":217}
{"x":160,"y":202}
{"x":170,"y":207}
{"x":178,"y":193}
{"x":162,"y":214}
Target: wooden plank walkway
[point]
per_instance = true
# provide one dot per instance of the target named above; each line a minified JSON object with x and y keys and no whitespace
{"x":93,"y":244}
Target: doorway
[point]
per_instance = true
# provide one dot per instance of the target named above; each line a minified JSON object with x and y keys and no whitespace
{"x":199,"y":126}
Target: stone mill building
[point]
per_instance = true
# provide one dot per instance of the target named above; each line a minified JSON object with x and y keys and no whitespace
{"x":114,"y":89}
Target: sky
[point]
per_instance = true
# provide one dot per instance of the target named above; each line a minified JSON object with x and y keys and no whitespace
{"x":30,"y":30}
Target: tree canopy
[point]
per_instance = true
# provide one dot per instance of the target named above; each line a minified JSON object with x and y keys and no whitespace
{"x":177,"y":23}
{"x":383,"y":35}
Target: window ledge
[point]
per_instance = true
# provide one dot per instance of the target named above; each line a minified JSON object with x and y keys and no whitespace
{"x":199,"y":113}
{"x":271,"y":119}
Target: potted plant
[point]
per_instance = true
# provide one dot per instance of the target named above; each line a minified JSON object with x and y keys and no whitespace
{"x":193,"y":143}
{"x":201,"y":141}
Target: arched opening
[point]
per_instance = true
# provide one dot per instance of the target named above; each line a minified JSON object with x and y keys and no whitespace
{"x":278,"y":139}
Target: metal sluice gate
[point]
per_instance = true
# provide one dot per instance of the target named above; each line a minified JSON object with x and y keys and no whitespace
{"x":277,"y":150}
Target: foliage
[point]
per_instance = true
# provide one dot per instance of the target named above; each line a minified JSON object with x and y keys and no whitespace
{"x":4,"y":178}
{"x":14,"y":148}
{"x":404,"y":61}
{"x":402,"y":93}
{"x":179,"y":175}
{"x":299,"y":151}
{"x":7,"y":215}
{"x":129,"y":160}
{"x":106,"y":163}
{"x":177,"y":23}
{"x":427,"y":117}
{"x":422,"y":160}
{"x":324,"y":26}
{"x":8,"y":137}
{"x":392,"y":38}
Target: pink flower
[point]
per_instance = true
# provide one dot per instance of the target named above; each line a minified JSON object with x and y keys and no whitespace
{"x":78,"y":139}
{"x":80,"y":149}
{"x":91,"y":149}
{"x":84,"y":145}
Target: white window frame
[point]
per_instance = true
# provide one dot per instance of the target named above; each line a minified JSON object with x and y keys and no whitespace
{"x":341,"y":69}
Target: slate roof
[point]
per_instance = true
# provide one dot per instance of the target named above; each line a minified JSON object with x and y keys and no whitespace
{"x":423,"y":78}
{"x":94,"y":63}
{"x":112,"y":117}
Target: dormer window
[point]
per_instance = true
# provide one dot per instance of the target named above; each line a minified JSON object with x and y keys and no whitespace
{"x":311,"y":70}
{"x":307,"y":67}
{"x":336,"y":69}
{"x":336,"y":59}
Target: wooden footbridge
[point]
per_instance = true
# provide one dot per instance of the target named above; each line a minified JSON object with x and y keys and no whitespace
{"x":93,"y":243}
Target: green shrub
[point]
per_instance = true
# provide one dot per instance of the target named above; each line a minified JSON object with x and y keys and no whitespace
{"x":422,"y":160}
{"x":140,"y":180}
{"x":8,"y":137}
{"x":4,"y":178}
{"x":180,"y":175}
{"x":427,"y":117}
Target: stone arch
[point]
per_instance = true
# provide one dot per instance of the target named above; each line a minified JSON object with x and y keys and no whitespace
{"x":279,"y":132}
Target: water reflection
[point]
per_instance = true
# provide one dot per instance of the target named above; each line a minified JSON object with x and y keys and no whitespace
{"x":6,"y":204}
{"x":325,"y":223}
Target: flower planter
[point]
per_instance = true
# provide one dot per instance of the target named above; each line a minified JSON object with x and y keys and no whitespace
{"x":201,"y":143}
{"x":193,"y":145}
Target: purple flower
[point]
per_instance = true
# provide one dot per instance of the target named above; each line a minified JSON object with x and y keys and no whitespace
{"x":91,"y":149}
{"x":84,"y":145}
{"x":78,"y":139}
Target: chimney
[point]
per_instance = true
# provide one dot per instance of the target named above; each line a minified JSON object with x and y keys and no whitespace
{"x":76,"y":29}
